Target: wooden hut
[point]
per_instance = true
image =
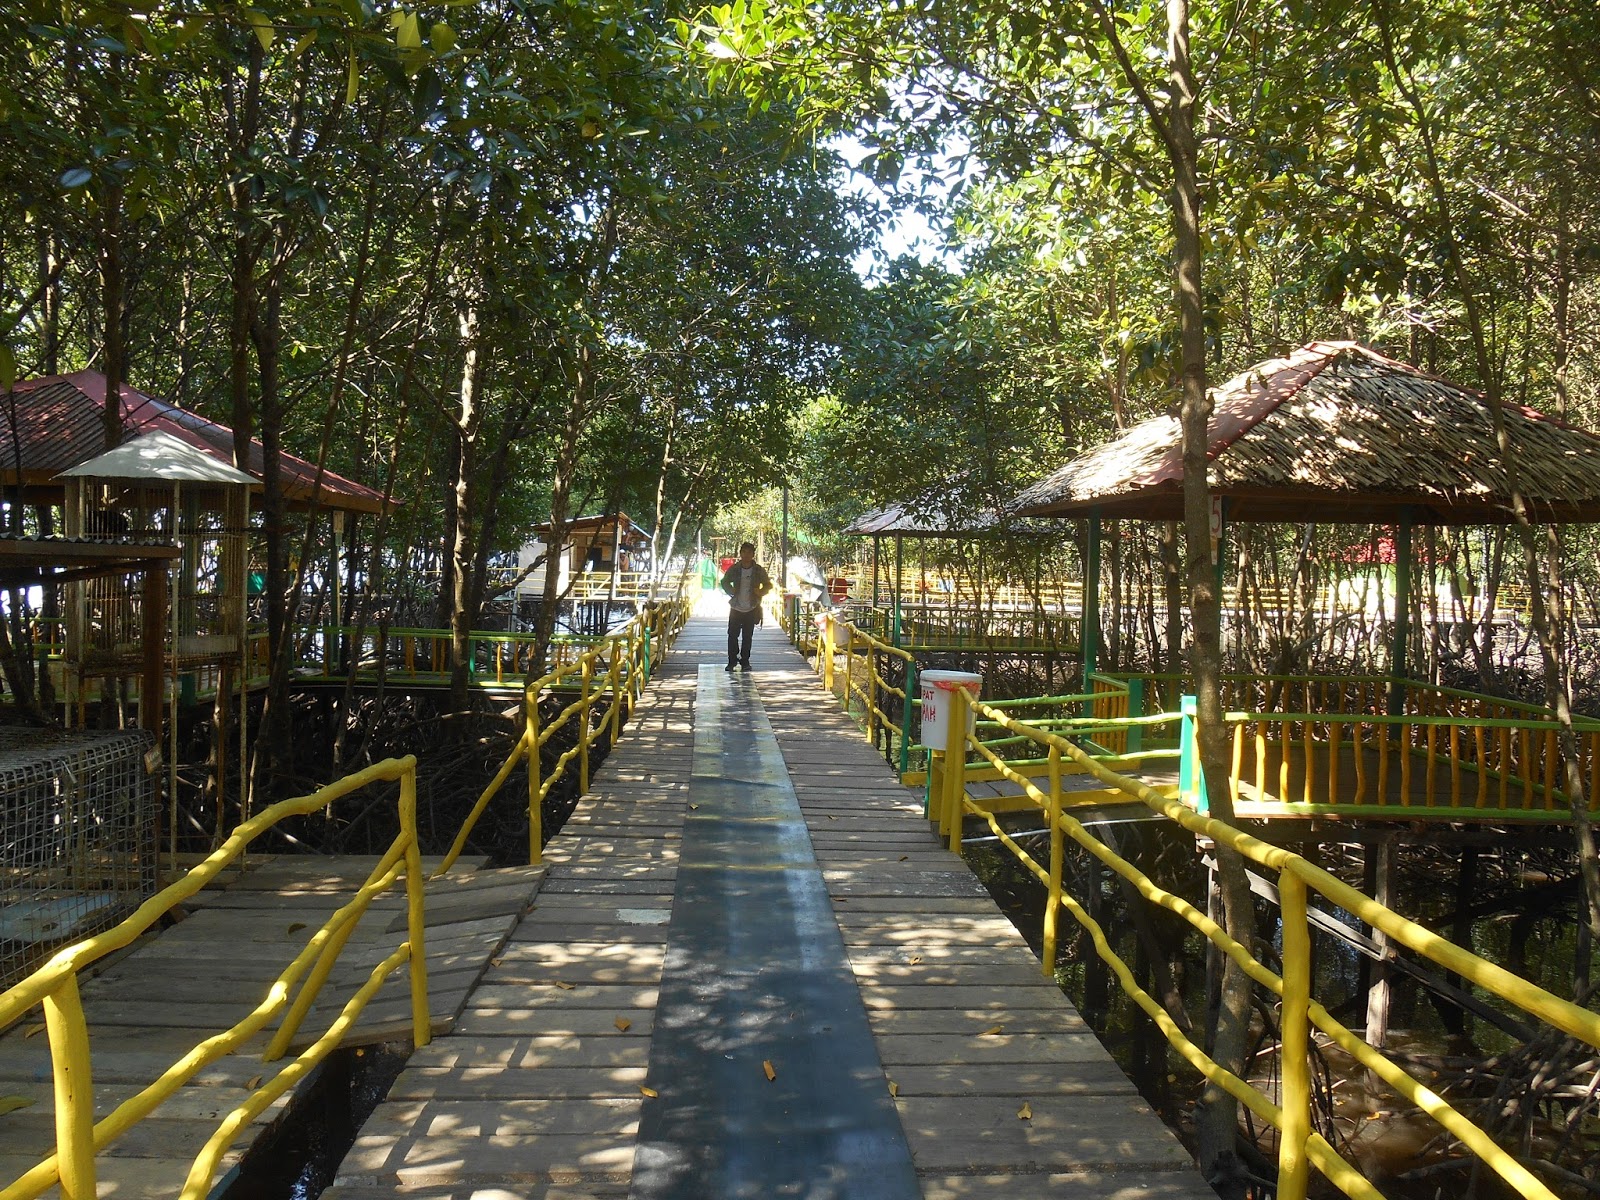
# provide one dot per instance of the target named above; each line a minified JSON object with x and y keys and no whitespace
{"x":156,"y":488}
{"x":598,"y":556}
{"x":57,"y":421}
{"x":55,"y":424}
{"x":1335,"y":432}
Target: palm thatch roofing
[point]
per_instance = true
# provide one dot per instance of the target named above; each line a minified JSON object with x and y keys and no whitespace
{"x":913,"y":520}
{"x":1336,"y":432}
{"x":929,"y":517}
{"x":54,"y":422}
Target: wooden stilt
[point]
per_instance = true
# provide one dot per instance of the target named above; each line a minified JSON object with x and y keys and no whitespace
{"x":1096,"y":975}
{"x":1380,"y":860}
{"x":1455,"y":1020}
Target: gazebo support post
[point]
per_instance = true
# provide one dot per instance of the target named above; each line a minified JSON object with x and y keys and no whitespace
{"x":1219,"y":540}
{"x":899,"y":582}
{"x":1398,"y":668}
{"x":616,"y":565}
{"x":876,"y":545}
{"x":1089,"y":642}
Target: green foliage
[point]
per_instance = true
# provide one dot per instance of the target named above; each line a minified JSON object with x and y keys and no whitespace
{"x":660,"y":270}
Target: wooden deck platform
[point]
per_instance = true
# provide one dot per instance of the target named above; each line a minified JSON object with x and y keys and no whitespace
{"x":584,"y":1029}
{"x":151,"y":1005}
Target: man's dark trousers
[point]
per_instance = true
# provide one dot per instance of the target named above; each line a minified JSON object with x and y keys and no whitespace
{"x":741,"y":629}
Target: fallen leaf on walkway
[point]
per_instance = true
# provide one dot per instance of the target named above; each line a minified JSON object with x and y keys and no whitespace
{"x":623,"y":1024}
{"x":296,"y":926}
{"x":696,"y":807}
{"x":12,"y":1103}
{"x":767,"y":1069}
{"x":894,"y":1088}
{"x":648,"y":1091}
{"x":33,"y":1029}
{"x":915,"y":959}
{"x":252,"y":1083}
{"x":1025,"y":1113}
{"x":992,"y":1030}
{"x":904,"y":857}
{"x":495,"y":962}
{"x":565,"y":987}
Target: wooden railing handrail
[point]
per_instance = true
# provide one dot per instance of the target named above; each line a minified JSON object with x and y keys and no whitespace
{"x":54,"y":985}
{"x":1299,"y":1145}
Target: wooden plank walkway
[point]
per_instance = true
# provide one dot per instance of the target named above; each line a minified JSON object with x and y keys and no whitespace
{"x":203,"y":975}
{"x":540,"y":1090}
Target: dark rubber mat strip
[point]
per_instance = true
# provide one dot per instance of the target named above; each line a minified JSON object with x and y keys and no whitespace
{"x":756,"y":973}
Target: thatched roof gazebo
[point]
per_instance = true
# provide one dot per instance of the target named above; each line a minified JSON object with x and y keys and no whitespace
{"x":928,"y":519}
{"x":1336,"y":432}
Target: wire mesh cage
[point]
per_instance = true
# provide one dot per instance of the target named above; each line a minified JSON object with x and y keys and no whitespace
{"x":77,"y":837}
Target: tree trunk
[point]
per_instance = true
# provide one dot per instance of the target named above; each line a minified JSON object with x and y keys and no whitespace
{"x":274,"y":742}
{"x":112,"y":283}
{"x":1216,"y":1119}
{"x":1548,"y":610}
{"x":469,"y":420}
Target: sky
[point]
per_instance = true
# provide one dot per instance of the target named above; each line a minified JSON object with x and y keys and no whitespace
{"x":904,"y":232}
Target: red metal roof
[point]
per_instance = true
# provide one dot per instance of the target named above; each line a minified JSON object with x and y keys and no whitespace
{"x":54,"y":422}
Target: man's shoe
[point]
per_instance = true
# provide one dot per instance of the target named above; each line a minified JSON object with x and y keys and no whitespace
{"x":744,"y":666}
{"x":729,"y":667}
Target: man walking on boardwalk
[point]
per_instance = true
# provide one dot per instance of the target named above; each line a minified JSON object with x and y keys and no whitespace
{"x":746,"y":582}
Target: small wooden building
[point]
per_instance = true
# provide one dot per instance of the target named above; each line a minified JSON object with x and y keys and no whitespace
{"x":598,"y":549}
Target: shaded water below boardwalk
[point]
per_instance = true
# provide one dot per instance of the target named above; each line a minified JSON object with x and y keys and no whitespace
{"x":299,"y":1159}
{"x":1521,"y":916}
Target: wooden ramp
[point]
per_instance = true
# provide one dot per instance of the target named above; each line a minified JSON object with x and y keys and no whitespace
{"x":202,"y":975}
{"x":579,"y":1035}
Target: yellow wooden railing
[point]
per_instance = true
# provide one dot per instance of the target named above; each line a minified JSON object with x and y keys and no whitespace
{"x":54,"y":986}
{"x":939,"y":587}
{"x":630,"y":585}
{"x":1333,"y":763}
{"x":496,"y":658}
{"x":1100,"y":718}
{"x":618,"y":667}
{"x":863,"y":677}
{"x":621,"y":665}
{"x":1289,"y":1112}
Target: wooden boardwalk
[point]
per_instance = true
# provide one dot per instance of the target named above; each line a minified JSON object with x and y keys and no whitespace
{"x":149,"y":1006}
{"x":562,"y":1054}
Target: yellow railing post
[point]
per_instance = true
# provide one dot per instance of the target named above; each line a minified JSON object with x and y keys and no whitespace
{"x":74,"y":1089}
{"x":1294,"y":1166}
{"x":634,"y":663}
{"x":584,"y":731}
{"x":872,"y":695}
{"x":955,"y":766}
{"x":1052,"y":906}
{"x":825,"y":652}
{"x":421,"y":1021}
{"x":849,"y":658}
{"x":614,"y":675}
{"x":535,"y":815}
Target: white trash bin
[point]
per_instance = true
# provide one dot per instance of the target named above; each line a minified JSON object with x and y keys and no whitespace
{"x":936,"y":687}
